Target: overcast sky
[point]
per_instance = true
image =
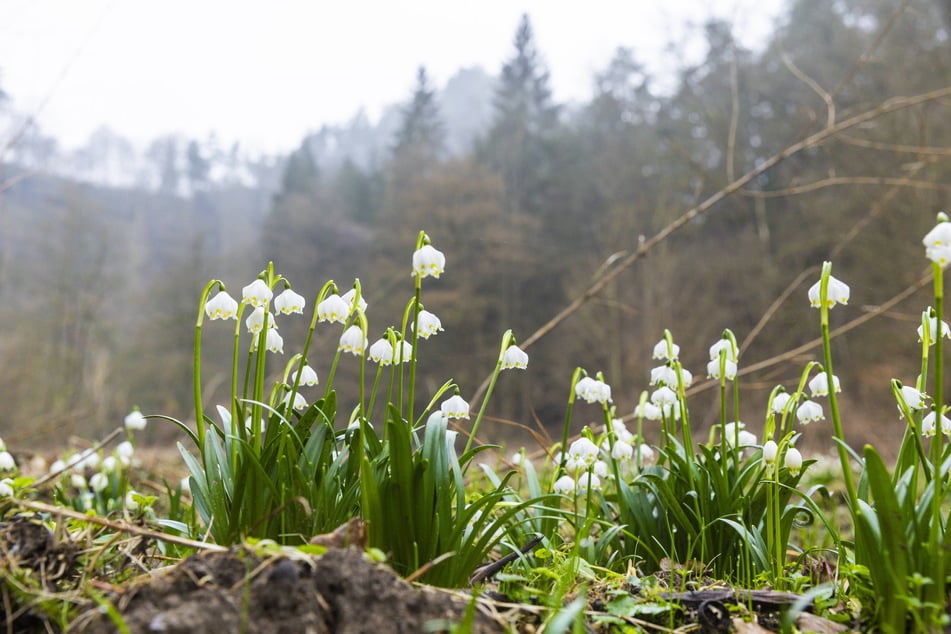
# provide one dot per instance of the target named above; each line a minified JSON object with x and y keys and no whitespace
{"x":266,"y":73}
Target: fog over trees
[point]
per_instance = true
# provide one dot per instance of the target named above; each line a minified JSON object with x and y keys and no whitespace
{"x":104,"y":250}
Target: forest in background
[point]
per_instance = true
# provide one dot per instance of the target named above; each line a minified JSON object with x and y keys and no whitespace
{"x":532,"y":203}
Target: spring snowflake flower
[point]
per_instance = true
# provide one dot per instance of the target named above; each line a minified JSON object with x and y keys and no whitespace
{"x":581,"y":454}
{"x":588,"y":481}
{"x":646,"y":453}
{"x":58,"y":466}
{"x":350,"y":295}
{"x":729,"y":369}
{"x":299,"y":401}
{"x":593,"y":391}
{"x":353,"y":341}
{"x":793,"y":461}
{"x":109,"y":464}
{"x":289,"y":302}
{"x":7,"y":463}
{"x":648,"y":411}
{"x":933,"y":330}
{"x":770,"y":451}
{"x":124,"y":452}
{"x":938,"y":244}
{"x":130,"y":503}
{"x":6,"y":488}
{"x":661,"y":351}
{"x":308,"y":376}
{"x":257,"y":293}
{"x":427,"y":260}
{"x":98,"y":482}
{"x":515,"y":357}
{"x":87,"y":460}
{"x":809,"y":412}
{"x":837,"y":292}
{"x":563,"y":485}
{"x":663,"y":375}
{"x":735,"y":435}
{"x":333,"y":309}
{"x":913,"y":398}
{"x":928,"y":425}
{"x":663,"y":396}
{"x":723,"y":345}
{"x":780,"y":401}
{"x":381,"y":351}
{"x":819,"y":385}
{"x":77,"y":481}
{"x":622,"y":450}
{"x":621,"y":433}
{"x":407,"y":352}
{"x":135,"y":420}
{"x":273,"y":341}
{"x":429,"y":324}
{"x":255,"y":321}
{"x":455,"y":407}
{"x":221,"y":306}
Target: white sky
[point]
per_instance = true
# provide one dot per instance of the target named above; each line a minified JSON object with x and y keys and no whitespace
{"x":266,"y":73}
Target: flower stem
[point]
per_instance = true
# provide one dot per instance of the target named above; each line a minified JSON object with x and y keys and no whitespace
{"x":199,"y":413}
{"x":506,"y":340}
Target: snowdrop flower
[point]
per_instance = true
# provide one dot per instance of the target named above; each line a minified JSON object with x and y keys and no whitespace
{"x":770,"y":451}
{"x":913,"y":398}
{"x":515,"y":357}
{"x":98,"y":482}
{"x":661,"y":351}
{"x":407,"y":352}
{"x":308,"y":376}
{"x":837,"y":292}
{"x":273,"y":341}
{"x":124,"y":452}
{"x":349,"y":296}
{"x":135,"y":420}
{"x":353,"y":341}
{"x":622,"y":450}
{"x":928,"y":425}
{"x":289,"y":302}
{"x":793,"y":461}
{"x":735,"y":435}
{"x":455,"y":407}
{"x":6,"y":488}
{"x":255,"y":321}
{"x":664,"y":375}
{"x":427,"y":260}
{"x":588,"y":481}
{"x":729,"y":369}
{"x":938,"y":244}
{"x":186,"y":484}
{"x":581,"y":454}
{"x":333,"y":309}
{"x":257,"y":293}
{"x":77,"y":481}
{"x":221,"y":306}
{"x":723,"y":345}
{"x":381,"y":351}
{"x":819,"y":385}
{"x":299,"y":401}
{"x":780,"y":401}
{"x":429,"y":324}
{"x":593,"y":391}
{"x":933,"y":330}
{"x":563,"y":485}
{"x":7,"y":463}
{"x":648,"y":411}
{"x":809,"y":412}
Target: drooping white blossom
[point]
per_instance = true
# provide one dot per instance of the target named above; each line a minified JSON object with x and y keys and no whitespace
{"x":308,"y":376}
{"x":793,"y":461}
{"x":255,"y":321}
{"x":933,"y":330}
{"x":221,"y":306}
{"x":428,"y":261}
{"x":455,"y":407}
{"x":429,"y":324}
{"x":913,"y":398}
{"x":333,"y":309}
{"x":665,"y":352}
{"x":928,"y":425}
{"x":515,"y":357}
{"x":353,"y":341}
{"x":135,"y":421}
{"x":770,"y":451}
{"x":780,"y":401}
{"x":257,"y":293}
{"x":349,"y":296}
{"x":289,"y":302}
{"x":723,"y":345}
{"x":593,"y":390}
{"x":581,"y":454}
{"x":837,"y":292}
{"x":809,"y":412}
{"x":819,"y":384}
{"x":729,"y":369}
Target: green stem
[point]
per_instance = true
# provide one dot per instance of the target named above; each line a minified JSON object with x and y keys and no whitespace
{"x":565,"y":432}
{"x":196,"y":382}
{"x":937,"y":589}
{"x":506,"y":341}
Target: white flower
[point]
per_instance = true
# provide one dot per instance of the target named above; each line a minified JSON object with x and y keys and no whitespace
{"x":130,"y":502}
{"x":427,"y":260}
{"x":109,"y":464}
{"x":98,"y":482}
{"x":186,"y":484}
{"x":648,"y":411}
{"x":933,"y":330}
{"x":333,"y":309}
{"x":515,"y":357}
{"x":646,"y":453}
{"x":770,"y":451}
{"x":593,"y":391}
{"x":661,"y":351}
{"x":938,"y":244}
{"x":913,"y":398}
{"x":289,"y":302}
{"x":87,"y":460}
{"x":600,"y":468}
{"x":407,"y":352}
{"x":663,"y":375}
{"x":663,"y":396}
{"x":621,"y":433}
{"x":429,"y":324}
{"x":723,"y":344}
{"x":735,"y":435}
{"x":221,"y":306}
{"x":819,"y":385}
{"x":255,"y":321}
{"x":57,"y":467}
{"x":273,"y":341}
{"x":308,"y":376}
{"x":455,"y":407}
{"x":7,"y":463}
{"x":135,"y":420}
{"x":257,"y":293}
{"x":928,"y":425}
{"x":588,"y":481}
{"x":622,"y":450}
{"x":793,"y":461}
{"x":581,"y":454}
{"x":940,"y":255}
{"x":809,"y":412}
{"x":381,"y":351}
{"x":837,"y":292}
{"x":353,"y":341}
{"x":3,"y":445}
{"x":125,"y":451}
{"x":77,"y":481}
{"x":729,"y":369}
{"x":350,"y":295}
{"x":563,"y":485}
{"x":780,"y":401}
{"x":6,"y":488}
{"x":299,"y":401}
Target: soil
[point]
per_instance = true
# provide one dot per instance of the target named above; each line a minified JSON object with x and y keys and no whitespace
{"x":238,"y":591}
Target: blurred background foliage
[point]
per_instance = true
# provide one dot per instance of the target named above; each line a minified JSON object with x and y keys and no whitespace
{"x":529,"y":199}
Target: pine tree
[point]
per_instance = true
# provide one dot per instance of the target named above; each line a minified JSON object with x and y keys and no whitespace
{"x":421,"y":137}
